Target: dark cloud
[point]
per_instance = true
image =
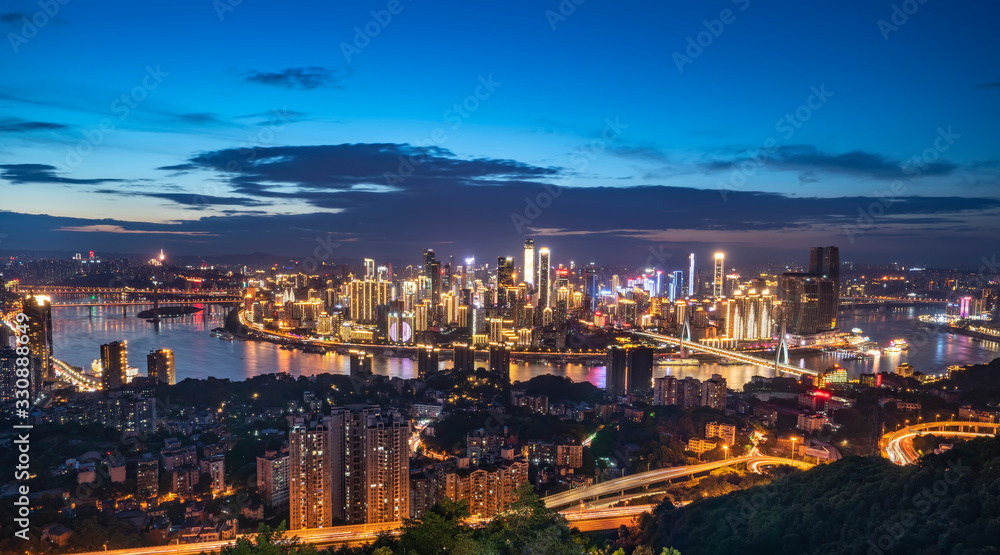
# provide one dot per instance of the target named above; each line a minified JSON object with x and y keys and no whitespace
{"x":333,"y":176}
{"x":200,"y":118}
{"x":43,"y":173}
{"x":16,"y":125}
{"x":808,"y":158}
{"x":192,"y":200}
{"x":12,"y":17}
{"x":303,"y":78}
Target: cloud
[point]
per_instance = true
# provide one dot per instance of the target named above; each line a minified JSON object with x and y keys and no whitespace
{"x":108,"y":228}
{"x":808,"y":158}
{"x":302,"y":78}
{"x":17,"y":125}
{"x":19,"y":174}
{"x":335,"y":176}
{"x":12,"y":17}
{"x":988,"y":85}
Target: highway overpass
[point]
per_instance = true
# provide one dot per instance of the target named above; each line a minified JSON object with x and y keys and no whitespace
{"x":898,"y":446}
{"x":643,"y":479}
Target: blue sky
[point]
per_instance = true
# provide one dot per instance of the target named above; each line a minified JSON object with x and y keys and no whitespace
{"x":782,"y":129}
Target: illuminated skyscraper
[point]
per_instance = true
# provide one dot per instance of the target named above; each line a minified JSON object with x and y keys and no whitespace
{"x":369,"y":269}
{"x":364,"y":297}
{"x":691,"y":277}
{"x":544,"y":273}
{"x":160,"y":366}
{"x":39,"y":312}
{"x":677,"y":285}
{"x":529,"y":261}
{"x":719,"y":281}
{"x":114,"y":361}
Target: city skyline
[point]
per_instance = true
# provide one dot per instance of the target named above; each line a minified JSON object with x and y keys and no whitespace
{"x":307,"y":138}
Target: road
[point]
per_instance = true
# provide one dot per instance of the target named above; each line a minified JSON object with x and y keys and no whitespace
{"x":726,"y":353}
{"x":580,"y":495}
{"x":898,"y":446}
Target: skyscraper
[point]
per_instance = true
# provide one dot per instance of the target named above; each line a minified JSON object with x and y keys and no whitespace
{"x":369,"y":269}
{"x":464,"y":357}
{"x":691,"y":276}
{"x":370,"y":465}
{"x":160,"y":366}
{"x":310,"y":474}
{"x":361,"y":364}
{"x":39,"y":312}
{"x":544,"y":272}
{"x":529,"y":261}
{"x":615,"y":371}
{"x":719,"y":280}
{"x":114,"y":362}
{"x":677,"y":285}
{"x":639,"y":374}
{"x":500,"y":360}
{"x":365,"y":296}
{"x":427,"y":360}
{"x":825,"y":261}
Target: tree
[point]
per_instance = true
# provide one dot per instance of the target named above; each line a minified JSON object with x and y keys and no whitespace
{"x":269,"y":541}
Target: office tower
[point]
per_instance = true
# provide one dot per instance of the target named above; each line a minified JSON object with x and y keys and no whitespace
{"x":369,"y":269}
{"x":505,"y":279}
{"x":160,"y":366}
{"x":628,"y":312}
{"x":464,"y":357}
{"x":529,"y":261}
{"x":310,"y":474}
{"x":615,"y":371}
{"x":364,"y":297}
{"x":361,"y":364}
{"x":427,"y":360}
{"x":272,"y":477}
{"x":114,"y":361}
{"x":808,"y":303}
{"x":691,"y":280}
{"x":370,"y":465}
{"x":749,"y":315}
{"x":639,"y":372}
{"x":719,"y":281}
{"x":544,"y":273}
{"x":39,"y":312}
{"x":676,"y":288}
{"x":825,"y":262}
{"x":500,"y":361}
{"x":713,"y":392}
{"x":147,"y":480}
{"x":665,"y":391}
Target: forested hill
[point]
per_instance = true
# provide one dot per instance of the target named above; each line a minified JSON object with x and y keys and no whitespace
{"x":948,"y":505}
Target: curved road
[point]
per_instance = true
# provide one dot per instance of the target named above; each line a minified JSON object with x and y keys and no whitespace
{"x":642,"y":479}
{"x":898,"y":446}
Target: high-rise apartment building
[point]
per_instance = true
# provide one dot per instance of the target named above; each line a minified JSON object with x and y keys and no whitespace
{"x":114,"y":362}
{"x":615,"y":371}
{"x":370,"y":463}
{"x":160,"y":366}
{"x":500,"y":360}
{"x":147,"y":480}
{"x":310,"y":474}
{"x":272,"y":477}
{"x":749,"y":315}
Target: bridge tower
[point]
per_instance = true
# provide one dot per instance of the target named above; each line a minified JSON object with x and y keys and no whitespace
{"x":685,"y":334}
{"x":781,"y":352}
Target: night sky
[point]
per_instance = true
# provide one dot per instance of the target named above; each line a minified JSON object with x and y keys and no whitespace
{"x":639,"y":130}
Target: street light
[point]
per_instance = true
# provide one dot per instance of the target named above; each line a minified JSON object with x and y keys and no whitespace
{"x":793,"y":447}
{"x":725,"y":450}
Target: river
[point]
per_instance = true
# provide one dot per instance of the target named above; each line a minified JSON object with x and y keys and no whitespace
{"x":80,"y":331}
